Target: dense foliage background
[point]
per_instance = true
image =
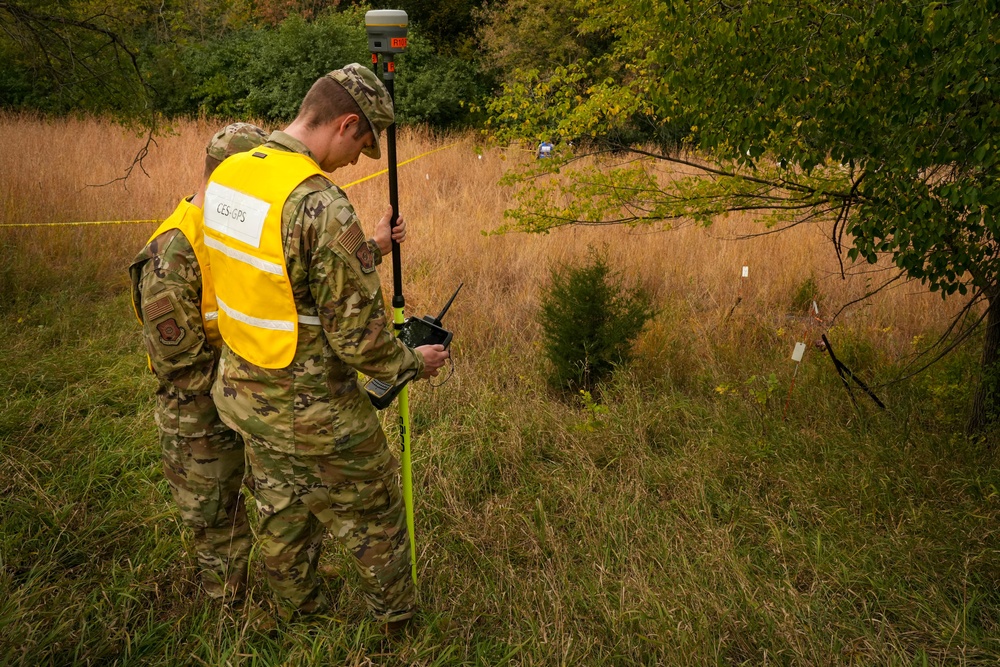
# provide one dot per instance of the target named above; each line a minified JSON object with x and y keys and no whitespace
{"x":230,"y":58}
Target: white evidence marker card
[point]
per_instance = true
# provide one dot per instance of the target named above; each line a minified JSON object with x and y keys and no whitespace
{"x":746,"y":271}
{"x":235,"y":214}
{"x":800,"y":349}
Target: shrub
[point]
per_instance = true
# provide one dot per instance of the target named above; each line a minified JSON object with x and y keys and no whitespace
{"x":257,"y":72}
{"x":437,"y":89}
{"x":264,"y":72}
{"x":590,"y":319}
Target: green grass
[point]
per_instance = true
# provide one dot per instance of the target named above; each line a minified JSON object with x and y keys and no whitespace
{"x":684,"y":526}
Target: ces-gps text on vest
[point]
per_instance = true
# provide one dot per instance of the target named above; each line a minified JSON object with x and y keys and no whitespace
{"x":230,"y":212}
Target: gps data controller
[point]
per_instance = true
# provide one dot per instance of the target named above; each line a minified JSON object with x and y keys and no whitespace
{"x":414,"y":332}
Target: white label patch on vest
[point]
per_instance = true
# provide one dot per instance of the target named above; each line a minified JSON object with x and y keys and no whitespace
{"x":235,"y":214}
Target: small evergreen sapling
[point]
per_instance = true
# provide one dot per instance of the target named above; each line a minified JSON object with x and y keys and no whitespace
{"x":590,"y":319}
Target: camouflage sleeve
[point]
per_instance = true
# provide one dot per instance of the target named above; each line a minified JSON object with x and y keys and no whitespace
{"x":348,"y":295}
{"x":169,"y":292}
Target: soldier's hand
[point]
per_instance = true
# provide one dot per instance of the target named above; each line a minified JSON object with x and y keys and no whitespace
{"x":434,"y":358}
{"x":384,"y":235}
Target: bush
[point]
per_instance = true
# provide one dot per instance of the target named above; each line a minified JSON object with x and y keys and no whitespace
{"x":589,"y":321}
{"x":437,"y":89}
{"x":237,"y":69}
{"x":256,"y":72}
{"x":264,"y":72}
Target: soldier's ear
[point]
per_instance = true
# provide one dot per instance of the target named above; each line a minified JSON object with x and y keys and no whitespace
{"x":347,"y":124}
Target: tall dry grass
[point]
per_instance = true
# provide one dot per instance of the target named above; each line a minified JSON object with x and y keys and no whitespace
{"x":53,"y":171}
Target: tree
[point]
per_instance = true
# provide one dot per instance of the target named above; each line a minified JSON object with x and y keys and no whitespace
{"x":68,"y":56}
{"x":265,"y":73}
{"x":73,"y":56}
{"x":590,"y":318}
{"x":879,"y":118}
{"x":436,"y":89}
{"x":273,"y":12}
{"x":447,"y":24}
{"x":531,"y":34}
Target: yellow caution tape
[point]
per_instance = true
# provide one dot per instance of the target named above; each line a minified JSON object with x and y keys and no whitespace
{"x":139,"y":222}
{"x":385,"y":171}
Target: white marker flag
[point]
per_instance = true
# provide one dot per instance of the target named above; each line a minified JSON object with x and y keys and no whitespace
{"x":800,"y":349}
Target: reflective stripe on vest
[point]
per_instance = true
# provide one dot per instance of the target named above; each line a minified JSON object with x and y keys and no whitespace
{"x":243,"y":203}
{"x":186,"y":218}
{"x":303,"y":319}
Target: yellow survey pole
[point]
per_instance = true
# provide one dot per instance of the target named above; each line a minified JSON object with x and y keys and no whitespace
{"x":404,"y":429}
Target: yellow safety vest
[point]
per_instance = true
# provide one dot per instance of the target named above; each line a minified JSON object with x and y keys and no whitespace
{"x":187,"y":219}
{"x":242,"y":213}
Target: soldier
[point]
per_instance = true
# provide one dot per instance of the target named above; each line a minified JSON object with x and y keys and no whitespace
{"x":301,"y":311}
{"x":203,"y":460}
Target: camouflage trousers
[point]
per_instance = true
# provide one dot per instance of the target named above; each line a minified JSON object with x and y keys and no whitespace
{"x":356,"y":496}
{"x":205,"y":475}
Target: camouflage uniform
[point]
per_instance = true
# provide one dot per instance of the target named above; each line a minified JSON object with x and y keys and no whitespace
{"x":314,"y":441}
{"x":203,"y":459}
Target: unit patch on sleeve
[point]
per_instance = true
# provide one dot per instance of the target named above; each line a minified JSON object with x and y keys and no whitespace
{"x":351,"y":238}
{"x":167,"y":326}
{"x":170,"y":332}
{"x":366,"y":258}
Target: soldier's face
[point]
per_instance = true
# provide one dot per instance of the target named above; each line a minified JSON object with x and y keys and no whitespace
{"x":366,"y":140}
{"x":347,"y":144}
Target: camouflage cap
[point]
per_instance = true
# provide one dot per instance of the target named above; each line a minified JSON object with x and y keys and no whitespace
{"x":371,"y":95}
{"x":233,"y":139}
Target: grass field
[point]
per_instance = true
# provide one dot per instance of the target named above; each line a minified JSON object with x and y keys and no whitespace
{"x":687,"y":525}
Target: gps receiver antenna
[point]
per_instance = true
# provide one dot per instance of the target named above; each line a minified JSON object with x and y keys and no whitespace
{"x":386,"y":30}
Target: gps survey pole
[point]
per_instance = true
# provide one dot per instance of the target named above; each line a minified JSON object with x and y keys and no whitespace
{"x":386,"y":30}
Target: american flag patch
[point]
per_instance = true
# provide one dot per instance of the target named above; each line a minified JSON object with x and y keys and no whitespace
{"x":158,"y":308}
{"x":351,"y":238}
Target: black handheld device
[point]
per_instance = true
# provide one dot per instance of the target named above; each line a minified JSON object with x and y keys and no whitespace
{"x":414,"y":332}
